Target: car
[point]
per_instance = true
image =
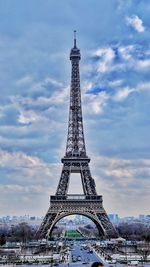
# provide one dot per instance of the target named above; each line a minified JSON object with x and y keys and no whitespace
{"x":90,"y":251}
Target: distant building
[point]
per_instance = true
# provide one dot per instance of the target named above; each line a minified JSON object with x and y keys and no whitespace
{"x":114,"y":218}
{"x":32,"y":218}
{"x":144,"y":218}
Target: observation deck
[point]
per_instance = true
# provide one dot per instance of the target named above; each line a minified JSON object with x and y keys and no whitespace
{"x":75,"y":197}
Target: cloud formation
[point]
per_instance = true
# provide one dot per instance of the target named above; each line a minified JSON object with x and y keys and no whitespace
{"x":34,"y":102}
{"x":123,"y":94}
{"x":136,"y":23}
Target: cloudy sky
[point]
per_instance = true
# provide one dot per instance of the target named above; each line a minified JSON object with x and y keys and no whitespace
{"x":35,"y":40}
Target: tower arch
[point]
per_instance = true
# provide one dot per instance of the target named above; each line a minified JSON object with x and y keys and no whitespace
{"x":89,"y":215}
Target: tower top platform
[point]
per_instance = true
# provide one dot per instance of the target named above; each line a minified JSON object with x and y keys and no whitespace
{"x":75,"y":52}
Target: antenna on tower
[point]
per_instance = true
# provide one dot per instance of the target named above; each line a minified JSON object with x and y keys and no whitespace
{"x":75,"y":39}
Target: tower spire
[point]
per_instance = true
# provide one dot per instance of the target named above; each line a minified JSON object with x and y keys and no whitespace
{"x":75,"y":139}
{"x":75,"y":39}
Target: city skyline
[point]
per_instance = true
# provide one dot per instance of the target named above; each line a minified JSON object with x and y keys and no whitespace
{"x":115,"y":86}
{"x":37,"y":216}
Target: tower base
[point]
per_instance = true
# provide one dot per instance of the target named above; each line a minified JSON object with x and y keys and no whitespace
{"x":89,"y":206}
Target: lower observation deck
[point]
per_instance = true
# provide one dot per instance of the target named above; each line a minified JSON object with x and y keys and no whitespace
{"x":76,"y":197}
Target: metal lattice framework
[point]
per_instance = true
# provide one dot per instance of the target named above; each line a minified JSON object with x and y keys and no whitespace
{"x":76,"y":161}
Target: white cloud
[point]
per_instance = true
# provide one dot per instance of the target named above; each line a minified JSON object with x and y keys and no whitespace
{"x":24,"y":166}
{"x":127,"y":57}
{"x":25,"y":81}
{"x":95,"y":103}
{"x":127,"y":51}
{"x":29,"y":116}
{"x":49,"y":80}
{"x":122,"y":4}
{"x":136,"y":23}
{"x":143,"y":64}
{"x":106,"y":55}
{"x":115,"y":83}
{"x":143,"y":86}
{"x":123,"y":94}
{"x":56,"y":97}
{"x":26,"y":177}
{"x":122,"y":182}
{"x":87,"y":85}
{"x":22,"y":189}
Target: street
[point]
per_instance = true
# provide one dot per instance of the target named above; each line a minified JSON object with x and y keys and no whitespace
{"x":80,"y":256}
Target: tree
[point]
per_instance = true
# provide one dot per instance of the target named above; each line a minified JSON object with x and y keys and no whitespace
{"x":21,"y":233}
{"x":144,"y":250}
{"x":2,"y":239}
{"x":134,"y":231}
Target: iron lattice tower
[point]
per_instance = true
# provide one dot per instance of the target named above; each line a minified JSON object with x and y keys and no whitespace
{"x":76,"y":161}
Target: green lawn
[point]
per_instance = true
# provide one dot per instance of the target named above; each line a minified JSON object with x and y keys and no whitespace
{"x":72,"y":233}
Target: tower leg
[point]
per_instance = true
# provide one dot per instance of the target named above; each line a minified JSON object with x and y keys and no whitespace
{"x":110,"y":230}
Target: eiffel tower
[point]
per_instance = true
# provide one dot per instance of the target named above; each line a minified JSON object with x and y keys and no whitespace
{"x":76,"y":160}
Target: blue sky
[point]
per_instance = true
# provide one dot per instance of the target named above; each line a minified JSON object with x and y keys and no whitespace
{"x":35,"y":40}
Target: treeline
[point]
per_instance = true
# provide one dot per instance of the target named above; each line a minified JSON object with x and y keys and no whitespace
{"x":24,"y":232}
{"x":134,"y":231}
{"x":18,"y":233}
